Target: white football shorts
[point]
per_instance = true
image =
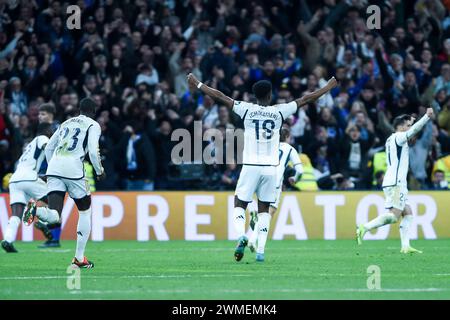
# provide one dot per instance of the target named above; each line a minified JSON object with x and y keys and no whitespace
{"x":261,"y":180}
{"x":396,"y":197}
{"x":23,"y":191}
{"x":77,"y":189}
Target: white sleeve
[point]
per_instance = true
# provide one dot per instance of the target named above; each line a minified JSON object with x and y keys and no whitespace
{"x":94,"y":133}
{"x":402,"y":137}
{"x":295,"y":159}
{"x":287,"y":109}
{"x":241,"y":108}
{"x":51,"y":145}
{"x":41,"y":141}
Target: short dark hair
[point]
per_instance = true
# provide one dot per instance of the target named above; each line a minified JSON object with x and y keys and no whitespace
{"x":87,"y":105}
{"x":47,"y":107}
{"x":262,"y":89}
{"x":44,"y":129}
{"x":284,"y":133}
{"x":400,"y":120}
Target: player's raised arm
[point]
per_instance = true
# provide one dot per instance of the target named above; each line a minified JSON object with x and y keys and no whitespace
{"x":297,"y":165}
{"x":218,"y":96}
{"x":415,"y":129}
{"x":93,"y":148}
{"x":309,"y":97}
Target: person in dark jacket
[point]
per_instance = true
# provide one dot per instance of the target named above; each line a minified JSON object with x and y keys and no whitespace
{"x":354,"y":151}
{"x":136,"y":159}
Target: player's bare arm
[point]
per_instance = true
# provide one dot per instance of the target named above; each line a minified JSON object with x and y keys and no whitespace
{"x":310,"y":97}
{"x":195,"y":84}
{"x":415,"y":129}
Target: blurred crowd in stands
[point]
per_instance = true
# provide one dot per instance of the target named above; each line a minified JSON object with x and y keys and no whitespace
{"x":132,"y":58}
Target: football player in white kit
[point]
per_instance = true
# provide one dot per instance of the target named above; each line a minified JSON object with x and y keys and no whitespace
{"x":262,"y":124}
{"x":25,"y":183}
{"x":287,"y":154}
{"x":394,"y":182}
{"x":65,"y":153}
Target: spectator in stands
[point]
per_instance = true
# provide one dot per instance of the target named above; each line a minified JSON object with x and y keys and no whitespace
{"x":354,"y":153}
{"x":439,"y":182}
{"x":230,"y":177}
{"x":136,"y":159}
{"x":132,"y":58}
{"x":18,"y":97}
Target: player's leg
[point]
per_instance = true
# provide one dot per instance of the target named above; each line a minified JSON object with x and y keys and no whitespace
{"x":83,"y":231}
{"x":245,"y":188}
{"x":239,"y":223}
{"x":252,"y":242}
{"x":49,"y":214}
{"x":52,"y":232}
{"x":56,"y":191}
{"x":12,"y":227}
{"x":404,"y":231}
{"x":41,"y":225}
{"x":18,"y":200}
{"x":239,"y":215}
{"x":263,"y":228}
{"x":79,"y":191}
{"x":394,"y":206}
{"x":53,"y":241}
{"x":266,"y":192}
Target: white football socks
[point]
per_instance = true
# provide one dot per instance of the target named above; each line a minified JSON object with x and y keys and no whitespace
{"x":382,"y":220}
{"x":11,"y":229}
{"x":263,"y":230}
{"x":404,"y":230}
{"x":47,"y":215}
{"x":83,"y":231}
{"x":239,"y":220}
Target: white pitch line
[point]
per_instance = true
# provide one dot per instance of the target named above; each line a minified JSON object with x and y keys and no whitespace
{"x":131,"y":277}
{"x":335,"y":290}
{"x":82,"y":292}
{"x":236,"y":291}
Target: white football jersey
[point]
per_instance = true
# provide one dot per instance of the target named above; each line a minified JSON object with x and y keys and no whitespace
{"x":397,"y":158}
{"x":286,"y":153}
{"x":262,"y":130}
{"x":69,"y":145}
{"x":30,"y":161}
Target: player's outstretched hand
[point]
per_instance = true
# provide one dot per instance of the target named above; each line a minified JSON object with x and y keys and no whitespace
{"x":192,"y":82}
{"x":332,"y":83}
{"x":430,"y":112}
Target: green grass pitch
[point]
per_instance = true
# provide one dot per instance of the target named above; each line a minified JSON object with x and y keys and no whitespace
{"x":312,"y":269}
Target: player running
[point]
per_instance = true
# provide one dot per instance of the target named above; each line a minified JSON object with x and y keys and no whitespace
{"x":26,"y":184}
{"x":51,"y":232}
{"x":394,"y":183}
{"x":262,"y":124}
{"x":65,"y":153}
{"x":286,"y":154}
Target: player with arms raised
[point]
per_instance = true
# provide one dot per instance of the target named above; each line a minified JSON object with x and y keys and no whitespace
{"x":25,"y":183}
{"x":262,"y":124}
{"x":65,"y":153}
{"x":394,"y":183}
